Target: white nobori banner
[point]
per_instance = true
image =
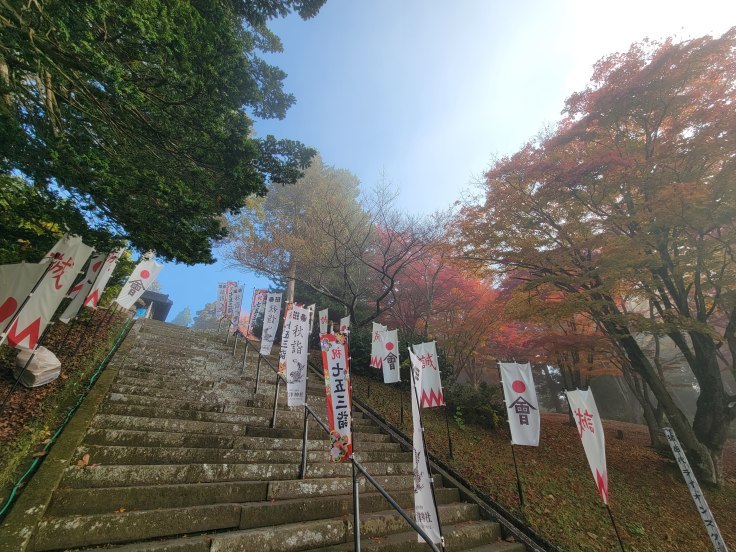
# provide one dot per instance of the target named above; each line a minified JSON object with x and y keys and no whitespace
{"x":590,"y":429}
{"x":377,"y":345}
{"x":285,"y":335}
{"x":17,"y":282}
{"x":521,"y":403}
{"x":270,"y":322}
{"x":296,"y":357}
{"x":345,"y":324}
{"x":140,"y":280}
{"x":430,"y":385}
{"x":390,"y":362}
{"x":98,"y":288}
{"x":80,"y":292}
{"x":67,"y":258}
{"x":323,"y":319}
{"x":425,"y":510}
{"x":236,"y":301}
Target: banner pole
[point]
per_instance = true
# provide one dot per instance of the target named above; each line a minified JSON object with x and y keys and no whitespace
{"x":426,"y":461}
{"x":81,"y":336}
{"x":615,"y":528}
{"x":401,"y":407}
{"x":519,"y":489}
{"x":14,"y":318}
{"x":250,"y":315}
{"x":449,"y":436}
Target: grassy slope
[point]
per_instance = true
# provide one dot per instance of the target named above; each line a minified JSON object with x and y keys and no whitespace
{"x":648,"y":497}
{"x":33,"y":414}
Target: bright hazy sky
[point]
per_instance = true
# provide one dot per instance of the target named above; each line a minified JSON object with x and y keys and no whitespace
{"x":429,"y":91}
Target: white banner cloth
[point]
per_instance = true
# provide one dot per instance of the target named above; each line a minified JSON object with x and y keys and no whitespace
{"x":258,"y":304}
{"x":344,"y":324}
{"x":339,"y":401}
{"x":590,"y":429}
{"x":425,"y":511}
{"x":142,"y":277}
{"x":390,"y":362}
{"x":285,"y":335}
{"x":98,"y":288}
{"x":16,"y":282}
{"x":236,"y":296}
{"x":377,"y":350}
{"x":323,"y":319}
{"x":223,"y":292}
{"x":270,"y":322}
{"x":80,"y":292}
{"x":430,"y":385}
{"x":71,"y":254}
{"x":521,"y":402}
{"x":296,"y":357}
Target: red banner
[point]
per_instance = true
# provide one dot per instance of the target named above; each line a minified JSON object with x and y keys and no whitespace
{"x":339,"y":397}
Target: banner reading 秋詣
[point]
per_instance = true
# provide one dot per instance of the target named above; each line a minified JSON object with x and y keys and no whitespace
{"x":95,"y":293}
{"x":296,"y":356}
{"x":339,"y":401}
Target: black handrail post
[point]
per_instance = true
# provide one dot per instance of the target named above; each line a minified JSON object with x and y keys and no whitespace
{"x":245,"y":354}
{"x":227,"y":332}
{"x":235,"y":344}
{"x":305,"y":437}
{"x":258,"y":373}
{"x":356,"y":507}
{"x":275,"y":400}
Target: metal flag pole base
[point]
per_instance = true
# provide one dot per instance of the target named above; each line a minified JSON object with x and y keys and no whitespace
{"x":615,"y":528}
{"x":518,"y":479}
{"x":449,"y":437}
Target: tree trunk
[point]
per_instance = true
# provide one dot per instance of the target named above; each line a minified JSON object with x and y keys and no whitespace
{"x":292,"y":282}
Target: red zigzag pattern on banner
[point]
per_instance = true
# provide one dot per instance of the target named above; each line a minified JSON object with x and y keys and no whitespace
{"x":602,"y":482}
{"x":93,"y":299}
{"x":31,"y":332}
{"x":432,"y":397}
{"x":376,"y":362}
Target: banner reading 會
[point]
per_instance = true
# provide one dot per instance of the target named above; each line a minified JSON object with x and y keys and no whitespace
{"x":390,"y":362}
{"x":590,"y":429}
{"x":139,"y":281}
{"x":521,"y":401}
{"x":339,"y":402}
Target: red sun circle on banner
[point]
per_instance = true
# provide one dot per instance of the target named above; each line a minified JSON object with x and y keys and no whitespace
{"x":145,"y":274}
{"x":96,"y":266}
{"x":389,"y":346}
{"x":518,"y":386}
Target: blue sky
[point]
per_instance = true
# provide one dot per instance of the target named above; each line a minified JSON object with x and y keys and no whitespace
{"x":428,"y":92}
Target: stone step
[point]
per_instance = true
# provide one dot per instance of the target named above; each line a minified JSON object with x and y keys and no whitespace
{"x":308,"y":488}
{"x":123,"y":437}
{"x":288,"y":419}
{"x":169,"y":474}
{"x":113,"y":421}
{"x":500,"y":546}
{"x":120,"y":455}
{"x":458,"y":537}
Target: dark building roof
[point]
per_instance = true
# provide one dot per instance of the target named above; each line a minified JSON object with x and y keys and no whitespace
{"x":161,"y":304}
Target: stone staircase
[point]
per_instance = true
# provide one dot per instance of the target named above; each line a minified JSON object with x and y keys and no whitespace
{"x":180,"y":457}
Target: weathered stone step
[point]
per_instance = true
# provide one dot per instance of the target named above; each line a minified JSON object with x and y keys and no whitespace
{"x":458,"y":537}
{"x":263,"y":514}
{"x":168,"y":474}
{"x":113,"y":421}
{"x":283,"y":490}
{"x":500,"y":546}
{"x":114,"y":455}
{"x":70,"y":502}
{"x":76,"y":531}
{"x":122,"y":437}
{"x":289,"y":419}
{"x":228,"y":408}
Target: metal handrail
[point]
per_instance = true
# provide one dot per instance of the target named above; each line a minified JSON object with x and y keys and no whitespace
{"x":391,"y":501}
{"x":305,"y":437}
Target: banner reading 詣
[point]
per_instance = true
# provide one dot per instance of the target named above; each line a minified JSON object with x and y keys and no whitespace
{"x":257,"y":306}
{"x":345,"y":324}
{"x":425,"y":510}
{"x":140,"y":280}
{"x":81,"y":290}
{"x":706,"y":515}
{"x":270,"y":322}
{"x":66,"y":258}
{"x":521,"y":401}
{"x":390,"y":362}
{"x":17,"y":282}
{"x":98,"y":287}
{"x":296,"y":357}
{"x":339,"y":401}
{"x":590,"y":429}
{"x":323,"y":319}
{"x":430,"y":385}
{"x":223,"y":292}
{"x":236,"y":301}
{"x":285,"y":336}
{"x":377,"y":350}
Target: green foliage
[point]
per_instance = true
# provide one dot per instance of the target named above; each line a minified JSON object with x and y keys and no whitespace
{"x":481,"y":406}
{"x":184,"y":318}
{"x":138,"y":111}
